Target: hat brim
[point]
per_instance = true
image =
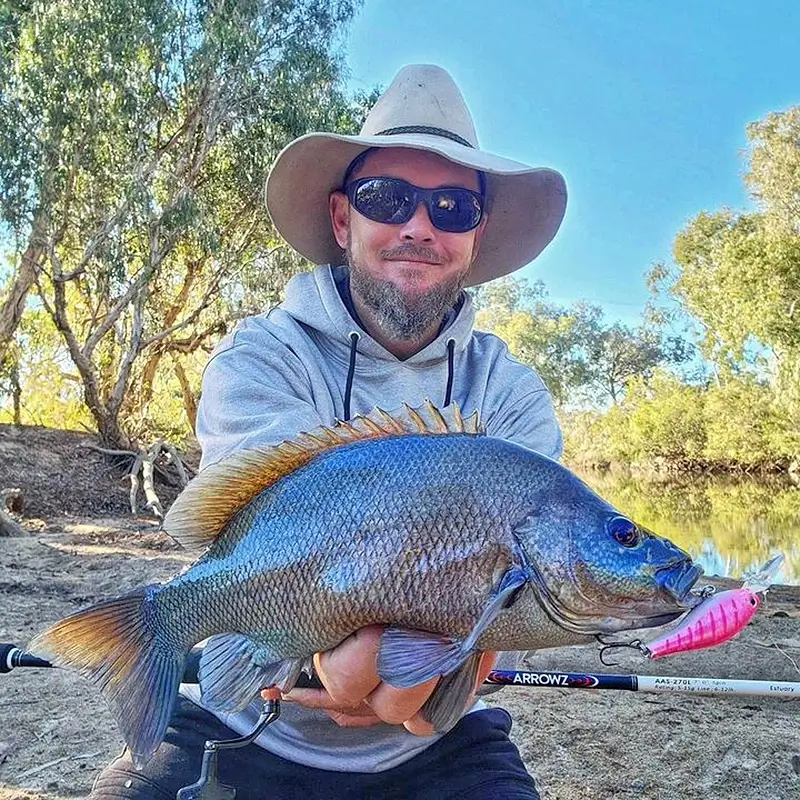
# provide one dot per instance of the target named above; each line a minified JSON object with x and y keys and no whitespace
{"x":527,"y":204}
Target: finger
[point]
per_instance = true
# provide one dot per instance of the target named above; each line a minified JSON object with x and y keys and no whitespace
{"x":317,"y":698}
{"x":395,"y":705}
{"x":358,"y":716}
{"x":349,"y":671}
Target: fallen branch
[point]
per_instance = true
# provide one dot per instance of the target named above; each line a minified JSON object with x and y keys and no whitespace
{"x":42,"y":767}
{"x":107,"y":451}
{"x":148,"y":461}
{"x":133,"y":475}
{"x":145,"y":462}
{"x":174,"y":458}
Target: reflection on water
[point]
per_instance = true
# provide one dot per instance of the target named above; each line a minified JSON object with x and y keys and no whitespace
{"x":730,"y":526}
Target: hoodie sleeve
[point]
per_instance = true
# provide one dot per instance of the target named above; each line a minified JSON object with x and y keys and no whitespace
{"x":255,"y":392}
{"x":530,"y":421}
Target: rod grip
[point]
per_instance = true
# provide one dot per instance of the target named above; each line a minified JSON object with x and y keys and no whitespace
{"x":11,"y":656}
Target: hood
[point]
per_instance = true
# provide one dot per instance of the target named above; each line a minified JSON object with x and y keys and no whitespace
{"x":312,"y":298}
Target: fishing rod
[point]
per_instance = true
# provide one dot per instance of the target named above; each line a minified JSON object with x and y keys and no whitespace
{"x":12,"y":657}
{"x":209,"y":787}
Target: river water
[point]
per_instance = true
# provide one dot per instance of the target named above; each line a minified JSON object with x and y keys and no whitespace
{"x":729,"y":525}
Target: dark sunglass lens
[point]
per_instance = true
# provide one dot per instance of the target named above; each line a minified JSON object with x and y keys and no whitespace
{"x":455,"y":210}
{"x":384,"y":200}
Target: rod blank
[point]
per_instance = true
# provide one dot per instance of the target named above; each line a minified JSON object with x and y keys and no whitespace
{"x":645,"y":683}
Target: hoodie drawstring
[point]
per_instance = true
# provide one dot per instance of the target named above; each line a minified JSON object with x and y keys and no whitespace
{"x":351,"y":371}
{"x":451,"y":349}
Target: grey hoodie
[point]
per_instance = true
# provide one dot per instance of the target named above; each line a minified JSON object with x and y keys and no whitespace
{"x":309,"y":363}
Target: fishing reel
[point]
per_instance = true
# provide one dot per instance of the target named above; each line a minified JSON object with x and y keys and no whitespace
{"x":208,"y":786}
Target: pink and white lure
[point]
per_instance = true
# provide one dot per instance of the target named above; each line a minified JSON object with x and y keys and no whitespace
{"x":718,"y":618}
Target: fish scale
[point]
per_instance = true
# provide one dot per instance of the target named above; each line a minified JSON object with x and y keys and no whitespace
{"x":458,"y":541}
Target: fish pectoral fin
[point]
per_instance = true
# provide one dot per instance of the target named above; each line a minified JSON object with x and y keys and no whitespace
{"x":513,"y":579}
{"x":234,"y":668}
{"x":445,"y":707}
{"x":410,"y":657}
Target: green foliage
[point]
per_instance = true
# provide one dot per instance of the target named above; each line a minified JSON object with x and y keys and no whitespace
{"x":741,"y":425}
{"x":134,"y":142}
{"x":774,"y":174}
{"x":738,"y":274}
{"x":660,"y":421}
{"x":582,"y":359}
{"x":737,"y":277}
{"x":52,"y":393}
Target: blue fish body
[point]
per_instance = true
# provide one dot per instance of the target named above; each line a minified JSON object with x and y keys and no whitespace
{"x":458,"y":542}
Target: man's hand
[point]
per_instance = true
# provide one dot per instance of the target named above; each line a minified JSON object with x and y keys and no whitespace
{"x":354,"y":695}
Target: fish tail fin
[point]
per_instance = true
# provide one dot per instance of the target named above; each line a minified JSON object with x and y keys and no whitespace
{"x":112,"y":644}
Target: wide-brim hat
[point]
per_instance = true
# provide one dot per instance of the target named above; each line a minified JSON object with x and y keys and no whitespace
{"x":422,"y":109}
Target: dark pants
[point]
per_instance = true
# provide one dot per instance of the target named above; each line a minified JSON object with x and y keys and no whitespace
{"x":475,"y":761}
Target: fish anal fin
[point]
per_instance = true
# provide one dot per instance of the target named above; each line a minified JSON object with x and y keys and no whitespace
{"x":204,"y":507}
{"x":234,"y":668}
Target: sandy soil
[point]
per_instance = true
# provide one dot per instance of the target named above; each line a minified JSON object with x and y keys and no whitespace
{"x":57,"y":732}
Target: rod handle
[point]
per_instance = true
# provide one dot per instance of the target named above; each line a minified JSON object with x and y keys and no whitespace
{"x":11,"y":656}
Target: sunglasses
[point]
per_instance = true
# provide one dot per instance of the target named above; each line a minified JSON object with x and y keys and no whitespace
{"x":393,"y":202}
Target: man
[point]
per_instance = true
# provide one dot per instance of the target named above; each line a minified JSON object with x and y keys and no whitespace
{"x":415,"y":211}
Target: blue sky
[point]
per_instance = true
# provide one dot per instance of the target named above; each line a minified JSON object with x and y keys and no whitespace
{"x":641,"y":104}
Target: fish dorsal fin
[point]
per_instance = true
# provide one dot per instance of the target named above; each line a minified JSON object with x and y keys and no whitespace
{"x":221,"y":490}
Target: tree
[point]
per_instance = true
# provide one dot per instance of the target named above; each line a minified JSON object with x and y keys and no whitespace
{"x":580,"y":357}
{"x":542,"y":334}
{"x":774,"y":174}
{"x":134,"y":141}
{"x":618,"y":353}
{"x":738,"y":274}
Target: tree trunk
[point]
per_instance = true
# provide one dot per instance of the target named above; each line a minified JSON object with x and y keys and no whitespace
{"x":189,"y":400}
{"x":14,"y":304}
{"x":16,"y":393}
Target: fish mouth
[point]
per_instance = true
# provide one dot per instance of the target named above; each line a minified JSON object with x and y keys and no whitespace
{"x":679,"y":583}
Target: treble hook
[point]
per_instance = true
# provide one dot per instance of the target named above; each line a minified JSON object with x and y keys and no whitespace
{"x":635,"y":644}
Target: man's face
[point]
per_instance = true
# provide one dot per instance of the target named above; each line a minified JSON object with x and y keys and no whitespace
{"x":407,"y":275}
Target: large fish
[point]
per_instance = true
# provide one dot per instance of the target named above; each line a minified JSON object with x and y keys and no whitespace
{"x":459,"y":542}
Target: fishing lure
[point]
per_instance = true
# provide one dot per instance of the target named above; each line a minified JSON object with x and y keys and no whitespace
{"x":717,"y":619}
{"x":720,"y":617}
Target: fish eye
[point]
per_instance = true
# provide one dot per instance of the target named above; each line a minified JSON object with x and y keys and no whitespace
{"x":624,"y":532}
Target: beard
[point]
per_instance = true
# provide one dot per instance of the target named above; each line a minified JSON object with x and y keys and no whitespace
{"x":400,"y":316}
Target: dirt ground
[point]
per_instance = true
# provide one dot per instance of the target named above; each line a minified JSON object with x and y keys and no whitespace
{"x":83,"y":545}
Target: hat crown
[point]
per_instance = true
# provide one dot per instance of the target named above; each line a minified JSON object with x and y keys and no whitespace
{"x":423,"y":98}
